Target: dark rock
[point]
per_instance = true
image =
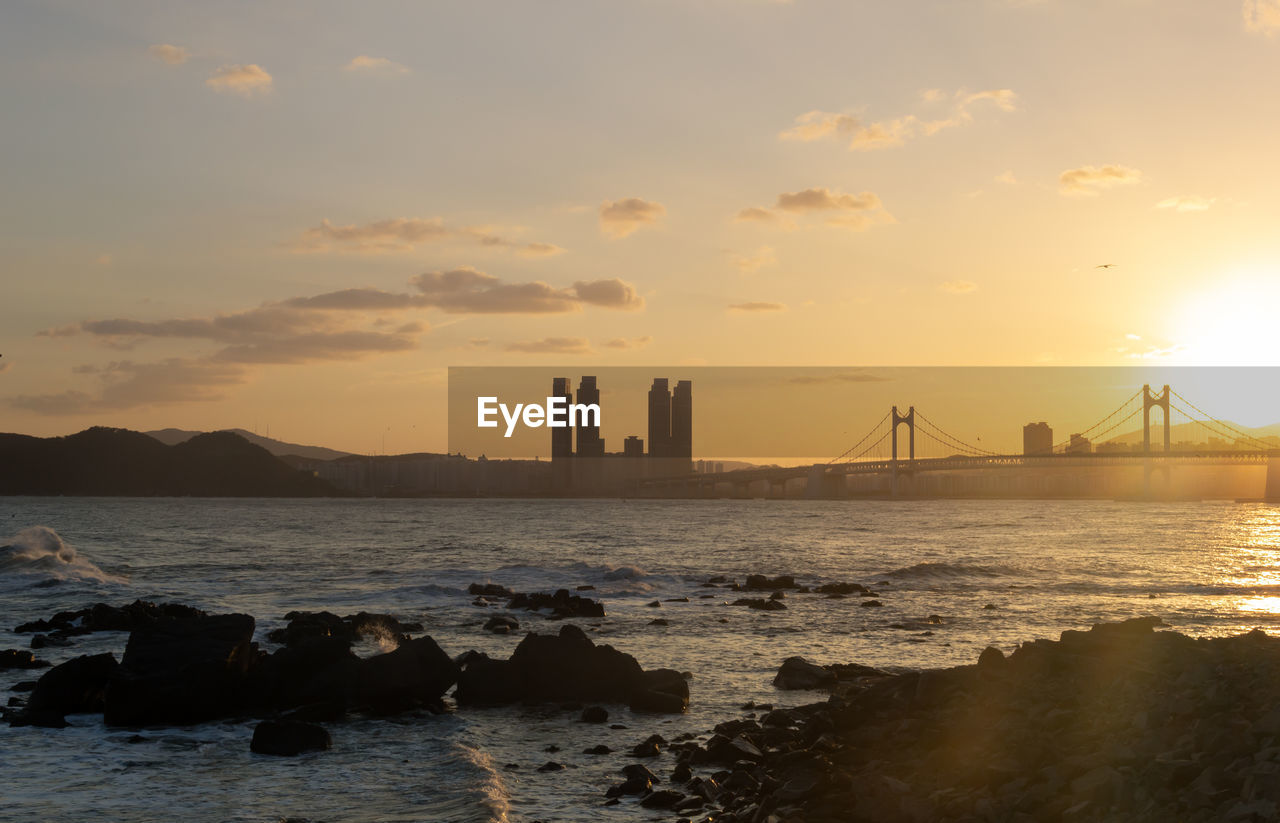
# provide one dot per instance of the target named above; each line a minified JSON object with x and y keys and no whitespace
{"x":416,"y":674}
{"x":78,"y":686}
{"x":655,"y":604}
{"x":757,"y":582}
{"x":659,"y":621}
{"x":551,"y":766}
{"x":595,"y":714}
{"x":870,"y":604}
{"x":840,"y":588}
{"x":600,"y":749}
{"x":798,"y":673}
{"x":489,"y":590}
{"x":182,"y":671}
{"x":663,"y":799}
{"x":502,"y":624}
{"x":991,"y":658}
{"x":287,"y":738}
{"x":484,"y":681}
{"x":760,"y":603}
{"x":20,"y":659}
{"x":561,"y":604}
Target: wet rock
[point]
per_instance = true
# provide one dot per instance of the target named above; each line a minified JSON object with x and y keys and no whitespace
{"x":760,"y":603}
{"x":870,"y":604}
{"x":310,"y":625}
{"x":102,"y":617}
{"x":991,"y":658}
{"x":502,"y":624}
{"x":798,"y":673}
{"x":417,"y":674}
{"x":182,"y":671}
{"x":288,"y":738}
{"x":662,"y":799}
{"x":595,"y":714}
{"x":659,"y":621}
{"x":551,"y":766}
{"x":561,"y":604}
{"x":600,"y":749}
{"x":840,"y":588}
{"x":78,"y":686}
{"x":20,"y":659}
{"x":758,"y":582}
{"x":655,"y":604}
{"x":489,"y":590}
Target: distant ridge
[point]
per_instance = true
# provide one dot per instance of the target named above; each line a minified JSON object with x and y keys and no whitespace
{"x":117,"y":462}
{"x":172,"y":437}
{"x":1188,"y":431}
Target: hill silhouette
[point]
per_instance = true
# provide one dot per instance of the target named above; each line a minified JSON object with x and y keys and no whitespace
{"x":280,"y":448}
{"x":119,"y":462}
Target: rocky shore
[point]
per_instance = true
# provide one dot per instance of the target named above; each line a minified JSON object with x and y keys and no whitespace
{"x":1126,"y":721}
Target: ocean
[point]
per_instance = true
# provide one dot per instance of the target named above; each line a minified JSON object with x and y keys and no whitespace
{"x":954,"y":577}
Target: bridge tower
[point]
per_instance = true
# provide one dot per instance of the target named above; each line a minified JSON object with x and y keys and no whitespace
{"x":1150,"y":400}
{"x":910,"y":420}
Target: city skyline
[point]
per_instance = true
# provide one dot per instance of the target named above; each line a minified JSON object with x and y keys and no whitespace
{"x":232,"y":217}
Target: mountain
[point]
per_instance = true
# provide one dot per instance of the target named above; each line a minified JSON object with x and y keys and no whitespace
{"x":1193,"y":432}
{"x":119,"y":462}
{"x":172,"y":437}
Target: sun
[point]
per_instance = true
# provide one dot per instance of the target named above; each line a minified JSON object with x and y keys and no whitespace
{"x":1232,"y":322}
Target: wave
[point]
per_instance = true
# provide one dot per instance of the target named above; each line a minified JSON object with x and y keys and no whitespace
{"x":934,"y":571}
{"x":41,"y":553}
{"x":492,"y":791}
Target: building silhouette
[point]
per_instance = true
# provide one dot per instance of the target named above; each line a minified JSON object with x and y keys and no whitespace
{"x":1037,"y":438}
{"x":1079,"y":445}
{"x":561,"y":439}
{"x":633,"y":446}
{"x":590,"y":444}
{"x":682,"y":421}
{"x":659,"y":419}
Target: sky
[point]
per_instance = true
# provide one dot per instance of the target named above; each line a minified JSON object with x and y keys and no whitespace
{"x":293,"y":217}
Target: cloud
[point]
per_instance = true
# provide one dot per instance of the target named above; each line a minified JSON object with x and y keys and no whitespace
{"x":1262,"y":16}
{"x":173,"y":55}
{"x":318,"y":346}
{"x":128,"y":385}
{"x":1090,"y":180}
{"x":403,"y":234}
{"x":470,"y":291}
{"x":478,"y":342}
{"x":375,"y":65}
{"x":880,"y":134}
{"x":1007,"y":178}
{"x":751,"y":263}
{"x":757,"y":307}
{"x":959,"y":286}
{"x":851,"y":211}
{"x":755,"y":214}
{"x":624,"y":343}
{"x":552,"y":345}
{"x":246,"y":80}
{"x":1186,"y":203}
{"x":619,"y":218}
{"x":612,"y":294}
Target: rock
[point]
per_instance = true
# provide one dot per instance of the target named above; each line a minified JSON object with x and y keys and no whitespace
{"x":312,"y":671}
{"x":309,"y":625}
{"x":595,"y":714}
{"x":991,"y":658}
{"x":840,"y":588}
{"x":502,"y":624}
{"x":182,"y":671}
{"x":416,"y":674}
{"x":870,"y":604}
{"x":551,"y":766}
{"x":600,"y":749}
{"x":78,"y":686}
{"x":20,"y":659}
{"x":561,"y":604}
{"x":660,"y":691}
{"x":655,"y":604}
{"x":659,"y":621}
{"x":798,"y":673}
{"x":757,"y":582}
{"x":760,"y":603}
{"x":287,"y":738}
{"x":484,"y":681}
{"x":101,"y":617}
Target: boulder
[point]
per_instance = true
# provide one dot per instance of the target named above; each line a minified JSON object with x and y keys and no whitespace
{"x":287,"y":738}
{"x":561,"y":604}
{"x":78,"y":686}
{"x":20,"y":659}
{"x":178,"y":672}
{"x":416,"y":674}
{"x":798,"y":673}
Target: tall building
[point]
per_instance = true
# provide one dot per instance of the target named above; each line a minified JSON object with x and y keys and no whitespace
{"x":682,"y":420}
{"x":659,"y":418}
{"x":590,"y":444}
{"x":1037,"y":438}
{"x":633,"y":446}
{"x":1079,"y":445}
{"x":561,"y":439}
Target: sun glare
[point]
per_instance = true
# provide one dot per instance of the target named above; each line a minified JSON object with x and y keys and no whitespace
{"x":1231,"y":322}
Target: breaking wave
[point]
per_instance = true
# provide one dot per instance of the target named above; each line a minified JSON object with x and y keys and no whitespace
{"x":39,"y":552}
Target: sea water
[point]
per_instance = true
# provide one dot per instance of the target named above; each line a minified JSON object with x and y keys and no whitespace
{"x":986,"y":572}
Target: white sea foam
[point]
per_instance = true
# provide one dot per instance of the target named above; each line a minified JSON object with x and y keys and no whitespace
{"x":40,"y":554}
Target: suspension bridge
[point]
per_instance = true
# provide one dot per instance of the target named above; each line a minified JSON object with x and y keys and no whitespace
{"x":906,"y":454}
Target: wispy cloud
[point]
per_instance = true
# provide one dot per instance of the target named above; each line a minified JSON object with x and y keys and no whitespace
{"x":624,"y":343}
{"x":246,"y":80}
{"x":1008,"y":178}
{"x":404,"y":234}
{"x":173,"y":55}
{"x":757,"y":306}
{"x":619,"y":218}
{"x":125,"y":385}
{"x":364,"y":64}
{"x":552,"y":345}
{"x":1186,"y":203}
{"x":880,"y":134}
{"x":1091,"y":180}
{"x":959,"y":286}
{"x":850,"y":211}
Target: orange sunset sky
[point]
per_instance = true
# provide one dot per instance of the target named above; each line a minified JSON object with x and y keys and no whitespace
{"x":297,"y":215}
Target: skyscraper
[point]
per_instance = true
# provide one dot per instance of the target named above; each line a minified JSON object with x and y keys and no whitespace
{"x":659,"y":419}
{"x":682,"y":420}
{"x":1037,"y":438}
{"x":590,"y":443}
{"x":561,"y":439}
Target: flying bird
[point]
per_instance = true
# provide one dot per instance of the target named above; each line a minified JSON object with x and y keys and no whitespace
{"x":1105,"y":266}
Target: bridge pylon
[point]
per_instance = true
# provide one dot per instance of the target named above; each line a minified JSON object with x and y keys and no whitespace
{"x":1150,"y":400}
{"x":910,"y":420}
